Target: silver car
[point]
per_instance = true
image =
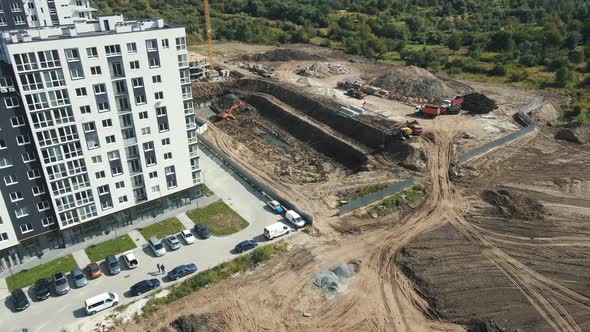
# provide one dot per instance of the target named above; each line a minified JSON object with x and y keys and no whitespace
{"x":79,"y":278}
{"x":173,"y":242}
{"x":60,"y":282}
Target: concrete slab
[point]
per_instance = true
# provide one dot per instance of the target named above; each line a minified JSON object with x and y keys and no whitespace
{"x":185,"y":220}
{"x":136,"y":236}
{"x":81,"y":258}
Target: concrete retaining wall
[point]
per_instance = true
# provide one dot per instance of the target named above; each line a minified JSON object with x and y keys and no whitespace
{"x":376,"y":196}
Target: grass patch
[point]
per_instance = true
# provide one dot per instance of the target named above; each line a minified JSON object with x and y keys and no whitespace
{"x":218,"y":273}
{"x":364,"y":191}
{"x":163,"y":228}
{"x":28,"y":277}
{"x":219,"y":218}
{"x":206,"y":191}
{"x":111,"y":247}
{"x":411,"y":197}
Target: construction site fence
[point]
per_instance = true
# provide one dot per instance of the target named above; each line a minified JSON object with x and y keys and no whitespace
{"x":522,"y":117}
{"x":264,"y":189}
{"x":376,"y":196}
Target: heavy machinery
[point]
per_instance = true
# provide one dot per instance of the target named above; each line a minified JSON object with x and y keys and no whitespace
{"x":355,"y":93}
{"x":412,"y":130}
{"x":447,"y":107}
{"x":228,"y":114}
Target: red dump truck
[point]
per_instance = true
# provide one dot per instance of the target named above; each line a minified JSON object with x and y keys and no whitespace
{"x":447,"y":107}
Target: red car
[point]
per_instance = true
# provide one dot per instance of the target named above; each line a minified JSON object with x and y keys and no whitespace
{"x":93,"y":270}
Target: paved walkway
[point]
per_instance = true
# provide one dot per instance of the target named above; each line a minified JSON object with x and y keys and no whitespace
{"x":185,"y":220}
{"x":4,"y":293}
{"x":81,"y":258}
{"x":136,"y":236}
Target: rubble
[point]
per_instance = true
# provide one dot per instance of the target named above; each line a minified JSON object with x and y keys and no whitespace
{"x":478,"y":103}
{"x":333,"y":281}
{"x":321,"y":70}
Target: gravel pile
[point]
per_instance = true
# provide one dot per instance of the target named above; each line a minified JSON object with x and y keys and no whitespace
{"x":478,"y":103}
{"x":321,"y":70}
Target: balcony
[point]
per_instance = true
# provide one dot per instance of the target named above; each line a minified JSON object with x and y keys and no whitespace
{"x":194,"y":154}
{"x":190,"y":126}
{"x":189,"y":111}
{"x":130,"y":141}
{"x":193,"y":140}
{"x":195,"y":168}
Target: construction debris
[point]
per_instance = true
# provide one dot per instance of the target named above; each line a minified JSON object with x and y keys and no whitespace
{"x":321,"y":70}
{"x":478,"y":103}
{"x":193,"y":323}
{"x":333,"y":281}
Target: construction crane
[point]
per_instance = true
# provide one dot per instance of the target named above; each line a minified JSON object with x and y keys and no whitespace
{"x":209,"y":34}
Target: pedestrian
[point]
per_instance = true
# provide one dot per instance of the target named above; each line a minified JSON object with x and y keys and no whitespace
{"x":159,"y":268}
{"x":163,"y":269}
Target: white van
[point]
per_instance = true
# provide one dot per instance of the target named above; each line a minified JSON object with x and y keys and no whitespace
{"x":275,"y":230}
{"x":295,"y":218}
{"x":101,"y":302}
{"x":157,"y":246}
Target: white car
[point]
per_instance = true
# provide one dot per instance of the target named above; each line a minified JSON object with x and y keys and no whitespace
{"x":173,"y":242}
{"x":188,"y":237}
{"x":130,"y":260}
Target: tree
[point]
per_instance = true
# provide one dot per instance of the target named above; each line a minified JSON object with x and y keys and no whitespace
{"x":501,"y":41}
{"x":563,"y":76}
{"x":455,"y":42}
{"x":576,"y":56}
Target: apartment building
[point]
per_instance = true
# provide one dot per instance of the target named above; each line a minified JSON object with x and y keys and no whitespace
{"x":106,"y":121}
{"x":24,"y":14}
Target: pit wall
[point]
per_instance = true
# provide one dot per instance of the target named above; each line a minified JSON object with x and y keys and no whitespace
{"x":325,"y":111}
{"x":521,"y":117}
{"x":307,"y":132}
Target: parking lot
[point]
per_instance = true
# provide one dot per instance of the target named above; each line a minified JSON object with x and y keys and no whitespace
{"x":67,"y":311}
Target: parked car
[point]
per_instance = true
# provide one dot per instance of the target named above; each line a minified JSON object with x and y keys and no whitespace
{"x":144,"y":286}
{"x":130,"y":260}
{"x":113,"y":264}
{"x":93,"y":270}
{"x":60,"y":282}
{"x":101,"y":302}
{"x":188,"y":236}
{"x":275,"y":230}
{"x":181,"y":271}
{"x":79,"y":278}
{"x":157,"y":246}
{"x":42,"y":289}
{"x":202,"y":231}
{"x":173,"y":242}
{"x":246,"y":245}
{"x":276,"y":207}
{"x":295,"y":218}
{"x":19,"y":300}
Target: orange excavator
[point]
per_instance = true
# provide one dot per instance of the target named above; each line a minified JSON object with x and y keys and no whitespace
{"x":229,"y":113}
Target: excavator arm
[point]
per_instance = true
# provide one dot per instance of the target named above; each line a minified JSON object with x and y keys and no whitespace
{"x":229,"y":113}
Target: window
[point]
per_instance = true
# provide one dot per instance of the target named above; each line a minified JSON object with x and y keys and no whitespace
{"x":120,"y":87}
{"x":15,"y":7}
{"x":122,"y":199}
{"x":11,"y":102}
{"x":34,"y":174}
{"x":47,"y":221}
{"x":81,"y":92}
{"x":23,"y":139}
{"x":165,"y":43}
{"x":95,"y":71}
{"x":25,"y":61}
{"x":154,"y":62}
{"x":113,"y":50}
{"x":3,"y":237}
{"x":9,"y":180}
{"x":145,"y":131}
{"x":43,"y":206}
{"x":26,"y":228}
{"x":137,"y":82}
{"x":182,"y":60}
{"x":156,"y":79}
{"x":63,"y":116}
{"x":117,"y":69}
{"x":181,"y":44}
{"x":3,"y":24}
{"x":120,"y":184}
{"x":38,"y":190}
{"x":143,"y":115}
{"x":100,"y":175}
{"x":159,"y":95}
{"x":153,"y":175}
{"x":107,"y":123}
{"x":103,"y":190}
{"x":110,"y":139}
{"x":72,"y":54}
{"x":100,"y":89}
{"x":92,"y":52}
{"x":139,"y":100}
{"x":149,"y":146}
{"x":103,"y":107}
{"x":49,"y":59}
{"x":85,"y":109}
{"x":28,"y":157}
{"x":54,"y":79}
{"x":163,"y":126}
{"x":4,"y":162}
{"x":17,"y":121}
{"x":96,"y":159}
{"x":134,"y":65}
{"x":131,"y":48}
{"x":58,"y":98}
{"x":52,"y":154}
{"x":89,"y":127}
{"x":151,"y":45}
{"x":156,"y":189}
{"x":19,"y":20}
{"x":76,"y":74}
{"x":113,"y":155}
{"x":16,"y":196}
{"x":166,"y":141}
{"x":117,"y":170}
{"x":167,"y":155}
{"x":2,"y":144}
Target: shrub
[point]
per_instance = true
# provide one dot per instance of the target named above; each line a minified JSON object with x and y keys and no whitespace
{"x":519,"y":76}
{"x":498,"y":70}
{"x":261,"y":254}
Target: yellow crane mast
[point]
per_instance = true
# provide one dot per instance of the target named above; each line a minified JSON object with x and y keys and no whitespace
{"x":209,"y":34}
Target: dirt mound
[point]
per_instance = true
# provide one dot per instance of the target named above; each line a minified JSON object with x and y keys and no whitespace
{"x":483,"y":326}
{"x":417,"y":84}
{"x":416,"y":158}
{"x":282,"y":55}
{"x":193,"y":323}
{"x":321,"y":70}
{"x":575,"y":133}
{"x":514,"y":205}
{"x":478,"y":103}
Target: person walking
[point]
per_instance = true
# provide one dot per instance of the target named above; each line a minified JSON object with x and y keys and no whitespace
{"x":159,"y":268}
{"x":163,"y":269}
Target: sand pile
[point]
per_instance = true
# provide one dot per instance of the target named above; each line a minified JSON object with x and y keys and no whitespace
{"x":321,"y":70}
{"x":514,"y":205}
{"x":478,"y":103}
{"x":282,"y":55}
{"x":416,"y":84}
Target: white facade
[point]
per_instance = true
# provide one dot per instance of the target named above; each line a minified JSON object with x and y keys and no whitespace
{"x":7,"y":234}
{"x":100,"y":154}
{"x":43,"y":13}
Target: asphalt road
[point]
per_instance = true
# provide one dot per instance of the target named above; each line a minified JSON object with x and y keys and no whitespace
{"x":67,"y":311}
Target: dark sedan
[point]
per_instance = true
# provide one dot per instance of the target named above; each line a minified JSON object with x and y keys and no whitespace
{"x":202,"y":231}
{"x":144,"y":286}
{"x":245,"y":246}
{"x":42,"y":289}
{"x":19,"y":300}
{"x":181,"y":271}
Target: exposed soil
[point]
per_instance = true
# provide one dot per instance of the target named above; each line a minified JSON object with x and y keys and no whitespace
{"x":282,"y":55}
{"x":514,"y":205}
